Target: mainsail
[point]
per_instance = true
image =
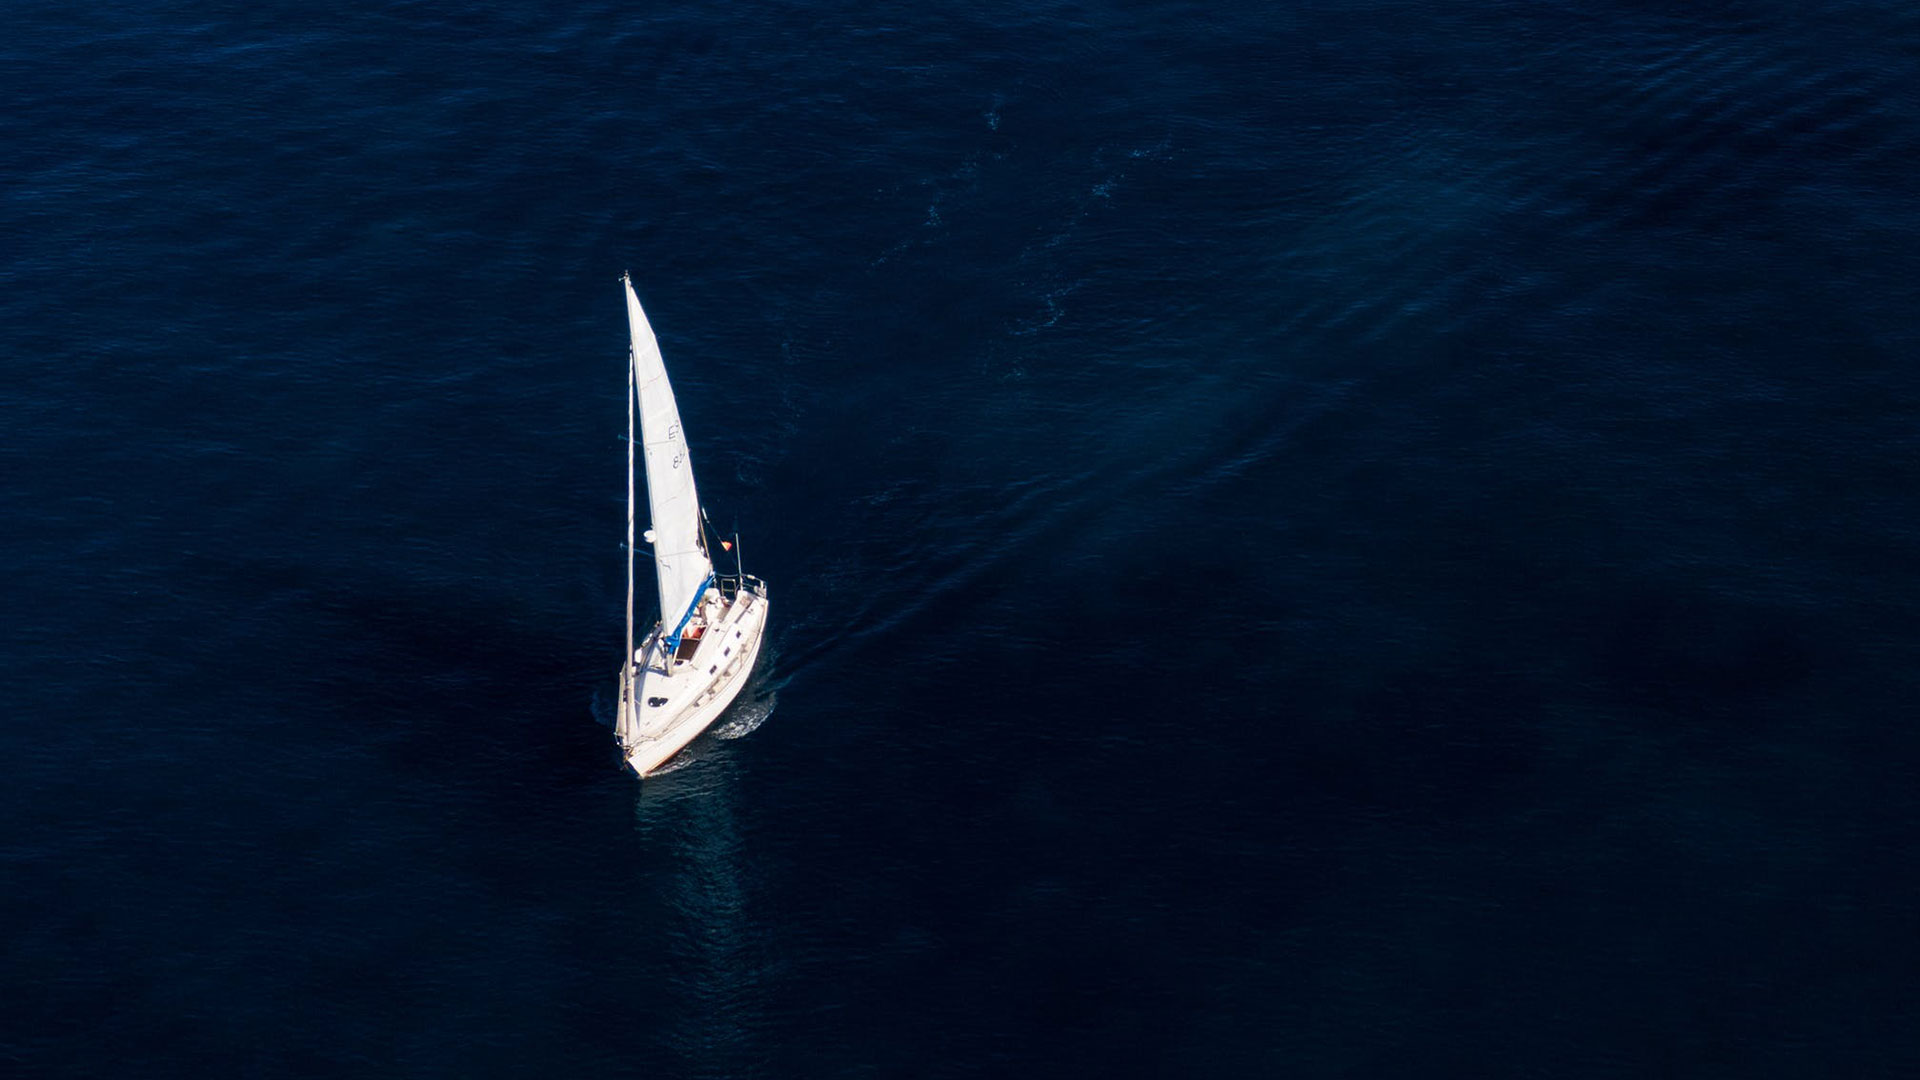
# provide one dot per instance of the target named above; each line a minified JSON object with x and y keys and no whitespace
{"x":680,"y":560}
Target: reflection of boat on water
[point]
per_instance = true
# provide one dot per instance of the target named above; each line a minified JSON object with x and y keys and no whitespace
{"x":696,"y":659}
{"x":708,"y":924}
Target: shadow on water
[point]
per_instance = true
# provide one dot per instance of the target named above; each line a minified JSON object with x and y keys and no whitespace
{"x":425,"y":672}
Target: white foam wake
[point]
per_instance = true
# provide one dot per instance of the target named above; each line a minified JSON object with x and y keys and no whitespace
{"x":745,"y":717}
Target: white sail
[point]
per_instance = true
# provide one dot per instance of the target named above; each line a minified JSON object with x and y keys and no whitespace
{"x":680,"y":562}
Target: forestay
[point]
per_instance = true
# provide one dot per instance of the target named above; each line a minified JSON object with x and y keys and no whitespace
{"x":680,"y":560}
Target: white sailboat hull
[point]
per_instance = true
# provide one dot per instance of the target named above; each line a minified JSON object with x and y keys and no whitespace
{"x":667,"y":701}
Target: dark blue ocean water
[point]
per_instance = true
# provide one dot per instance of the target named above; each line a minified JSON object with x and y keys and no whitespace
{"x":1350,"y":539}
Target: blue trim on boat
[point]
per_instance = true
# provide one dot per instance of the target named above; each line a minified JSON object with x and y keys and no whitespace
{"x":673,"y":639}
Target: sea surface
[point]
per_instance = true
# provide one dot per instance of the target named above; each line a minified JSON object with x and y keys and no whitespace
{"x":1351,"y":539}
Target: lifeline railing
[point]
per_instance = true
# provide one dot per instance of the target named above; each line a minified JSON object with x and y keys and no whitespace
{"x":731,"y":584}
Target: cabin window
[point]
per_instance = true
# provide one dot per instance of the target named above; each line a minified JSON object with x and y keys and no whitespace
{"x":713,"y":669}
{"x":655,"y":702}
{"x":728,"y":651}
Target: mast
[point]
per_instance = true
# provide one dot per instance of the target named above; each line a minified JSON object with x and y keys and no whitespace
{"x":623,"y":721}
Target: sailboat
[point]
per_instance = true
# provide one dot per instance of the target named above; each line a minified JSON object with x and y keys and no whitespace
{"x":696,"y":659}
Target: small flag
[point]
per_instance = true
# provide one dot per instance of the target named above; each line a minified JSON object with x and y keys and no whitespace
{"x":726,"y":545}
